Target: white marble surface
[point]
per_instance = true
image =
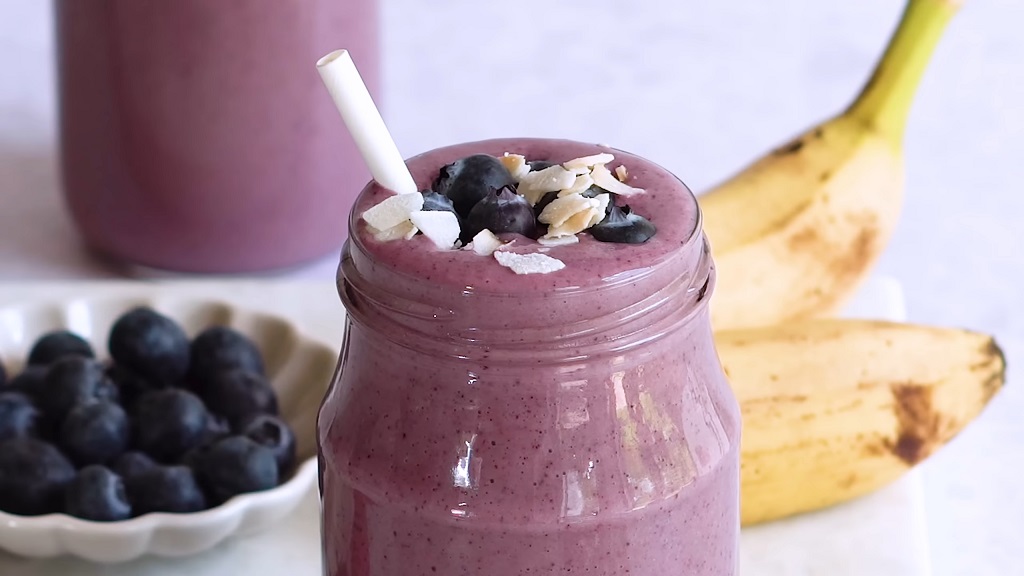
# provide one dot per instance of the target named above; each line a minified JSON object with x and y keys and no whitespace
{"x":700,"y":87}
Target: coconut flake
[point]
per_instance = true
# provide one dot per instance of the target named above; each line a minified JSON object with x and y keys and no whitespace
{"x":587,"y":162}
{"x":393,"y":210}
{"x":404,"y":229}
{"x":528,"y":263}
{"x":604,"y":179}
{"x":603,"y":200}
{"x":442,"y":227}
{"x":582,"y":182}
{"x":577,"y":223}
{"x":564,"y":207}
{"x":485,"y":243}
{"x":534,"y":185}
{"x":516,"y":165}
{"x":558,"y":240}
{"x":621,"y":173}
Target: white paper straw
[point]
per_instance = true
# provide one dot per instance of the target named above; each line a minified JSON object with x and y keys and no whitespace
{"x":364,"y":122}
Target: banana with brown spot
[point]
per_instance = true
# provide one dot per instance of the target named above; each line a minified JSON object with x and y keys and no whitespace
{"x":834,"y":409}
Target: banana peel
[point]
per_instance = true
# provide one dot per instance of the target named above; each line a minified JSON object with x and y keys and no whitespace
{"x":835,"y":409}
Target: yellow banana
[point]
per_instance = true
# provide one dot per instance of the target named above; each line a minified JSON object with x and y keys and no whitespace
{"x":834,"y":409}
{"x":794,"y":233}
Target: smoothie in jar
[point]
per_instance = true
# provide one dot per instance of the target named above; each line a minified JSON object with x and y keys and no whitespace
{"x":550,"y":403}
{"x":191,"y":140}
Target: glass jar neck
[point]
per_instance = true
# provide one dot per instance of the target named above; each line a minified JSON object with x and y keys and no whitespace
{"x":609,"y":316}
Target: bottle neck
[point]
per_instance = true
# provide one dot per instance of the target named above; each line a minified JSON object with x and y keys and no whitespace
{"x":608,"y":316}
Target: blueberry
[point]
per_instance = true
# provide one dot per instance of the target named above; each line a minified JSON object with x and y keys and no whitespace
{"x":595,"y":191}
{"x":3,"y":375}
{"x":217,"y":427}
{"x":165,"y":489}
{"x":168,"y":423}
{"x":538,"y":165}
{"x":18,"y":416}
{"x":235,"y":465}
{"x":151,"y":345}
{"x":274,"y":433}
{"x":30,"y":381}
{"x":238,"y":395}
{"x":432,"y":201}
{"x":468,"y":180}
{"x":55,"y":345}
{"x":541,"y":204}
{"x":130,"y":385}
{"x":220,"y":348}
{"x":94,"y":433}
{"x":623,"y":227}
{"x":33,"y":475}
{"x":132,"y":463}
{"x":97,"y":494}
{"x":502,"y":211}
{"x":71,"y":381}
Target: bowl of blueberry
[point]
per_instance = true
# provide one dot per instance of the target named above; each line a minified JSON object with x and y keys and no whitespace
{"x":134,"y":426}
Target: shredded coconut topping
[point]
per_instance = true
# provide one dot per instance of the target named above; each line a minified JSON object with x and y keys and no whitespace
{"x":405,"y":230}
{"x":393,"y":210}
{"x":441,"y":227}
{"x":485,"y":243}
{"x":587,"y":162}
{"x":604,"y":179}
{"x":516,"y":165}
{"x":536,"y":184}
{"x":528,"y":263}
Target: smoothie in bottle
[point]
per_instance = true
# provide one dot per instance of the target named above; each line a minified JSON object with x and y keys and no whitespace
{"x":545,"y":399}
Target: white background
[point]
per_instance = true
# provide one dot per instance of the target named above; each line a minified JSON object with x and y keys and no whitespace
{"x":700,"y":87}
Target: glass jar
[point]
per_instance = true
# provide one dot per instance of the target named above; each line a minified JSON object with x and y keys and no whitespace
{"x":585,"y":429}
{"x":196,"y":134}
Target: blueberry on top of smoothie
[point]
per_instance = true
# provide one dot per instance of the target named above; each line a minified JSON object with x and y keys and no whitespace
{"x":622,"y":226}
{"x":436,"y":202}
{"x":502,"y":211}
{"x":467,"y":180}
{"x":541,"y":204}
{"x":511,"y":194}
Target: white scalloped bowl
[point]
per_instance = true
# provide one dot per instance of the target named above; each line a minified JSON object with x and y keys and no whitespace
{"x":300,"y":370}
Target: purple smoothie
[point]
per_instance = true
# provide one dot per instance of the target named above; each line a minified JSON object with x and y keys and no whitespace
{"x":576,"y":422}
{"x":191,"y":140}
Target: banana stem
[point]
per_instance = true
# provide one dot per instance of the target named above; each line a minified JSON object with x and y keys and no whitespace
{"x":884,"y":102}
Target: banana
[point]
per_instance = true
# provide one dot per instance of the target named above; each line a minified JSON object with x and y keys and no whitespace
{"x":794,"y":233}
{"x":834,"y":409}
